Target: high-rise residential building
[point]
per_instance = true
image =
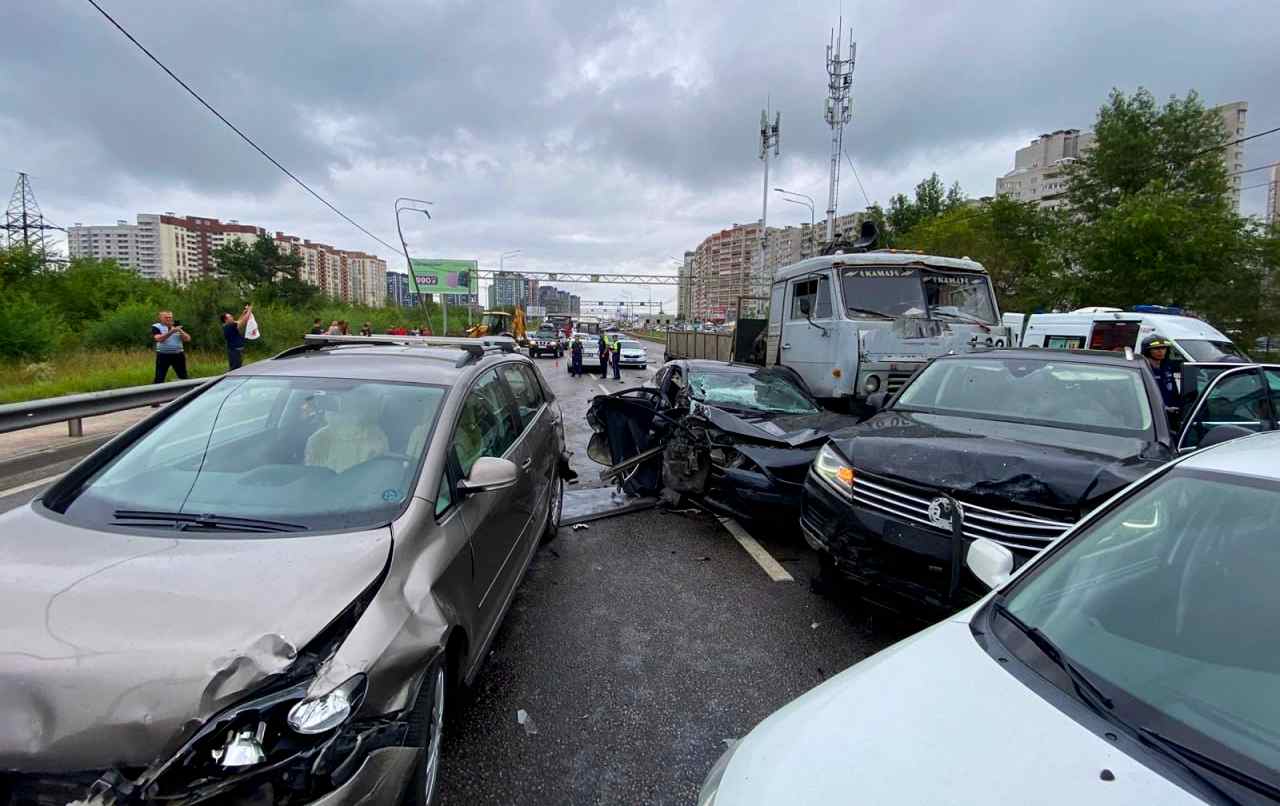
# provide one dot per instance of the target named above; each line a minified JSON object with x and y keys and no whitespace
{"x":181,"y":249}
{"x":725,"y":269}
{"x":1039,"y":169}
{"x":575,"y":304}
{"x":512,"y":288}
{"x":684,"y":287}
{"x":1273,"y":198}
{"x":399,"y":291}
{"x":161,"y":247}
{"x":1234,"y":116}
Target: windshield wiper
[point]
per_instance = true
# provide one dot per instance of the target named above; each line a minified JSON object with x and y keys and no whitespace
{"x":183,"y":521}
{"x":1190,"y":759}
{"x":881,"y":314}
{"x":961,"y":315}
{"x":1085,"y":688}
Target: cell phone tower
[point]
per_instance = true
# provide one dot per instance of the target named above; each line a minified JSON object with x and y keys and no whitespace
{"x":839,"y":111}
{"x":24,"y":224}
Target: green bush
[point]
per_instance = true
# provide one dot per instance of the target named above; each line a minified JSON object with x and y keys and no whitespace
{"x":126,"y":326}
{"x":29,"y":331}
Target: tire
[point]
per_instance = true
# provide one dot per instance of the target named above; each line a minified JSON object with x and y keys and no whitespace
{"x":426,"y":732}
{"x":553,"y":512}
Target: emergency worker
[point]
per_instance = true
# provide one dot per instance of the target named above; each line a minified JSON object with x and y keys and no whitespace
{"x":1155,"y":349}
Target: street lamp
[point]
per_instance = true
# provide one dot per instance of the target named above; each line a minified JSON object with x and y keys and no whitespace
{"x":406,"y":203}
{"x":785,"y":197}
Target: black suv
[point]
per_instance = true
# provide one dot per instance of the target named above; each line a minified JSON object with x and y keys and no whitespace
{"x":1010,"y":445}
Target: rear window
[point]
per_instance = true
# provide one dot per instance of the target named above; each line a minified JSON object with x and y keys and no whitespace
{"x":1063,"y":394}
{"x":306,"y":453}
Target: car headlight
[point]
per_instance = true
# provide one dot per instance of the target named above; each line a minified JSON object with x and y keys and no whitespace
{"x":711,"y":786}
{"x":832,"y":468}
{"x":328,"y":711}
{"x":871,"y":384}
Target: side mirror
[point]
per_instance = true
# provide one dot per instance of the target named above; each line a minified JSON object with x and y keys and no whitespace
{"x":877,"y":401}
{"x":990,"y":562}
{"x":489,"y":473}
{"x":806,"y":306}
{"x":598,"y":449}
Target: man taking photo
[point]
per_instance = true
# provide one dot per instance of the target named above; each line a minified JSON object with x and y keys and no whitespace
{"x":169,"y":337}
{"x":233,"y":332}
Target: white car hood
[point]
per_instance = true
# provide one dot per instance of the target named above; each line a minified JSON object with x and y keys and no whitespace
{"x":932,"y":720}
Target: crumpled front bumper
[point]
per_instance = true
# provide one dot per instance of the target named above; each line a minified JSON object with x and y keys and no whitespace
{"x":380,"y":779}
{"x":752,"y":494}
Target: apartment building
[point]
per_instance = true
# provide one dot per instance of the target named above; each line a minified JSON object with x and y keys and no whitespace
{"x":1234,"y":116}
{"x":399,"y":291}
{"x":684,"y":287}
{"x":1273,"y":198}
{"x":726,"y":267}
{"x":161,"y":247}
{"x":350,"y":276}
{"x":512,"y":288}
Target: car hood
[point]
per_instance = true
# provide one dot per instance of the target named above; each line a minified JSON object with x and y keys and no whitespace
{"x":112,"y":643}
{"x":1003,"y":464}
{"x":933,"y":719}
{"x":791,"y":430}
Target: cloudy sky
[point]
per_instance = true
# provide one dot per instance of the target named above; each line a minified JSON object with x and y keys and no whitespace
{"x":589,"y":134}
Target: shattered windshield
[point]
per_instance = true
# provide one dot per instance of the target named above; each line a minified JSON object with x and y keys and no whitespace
{"x":911,"y":292}
{"x":313,"y":453}
{"x":1061,"y":394}
{"x":959,"y":296}
{"x":762,"y":391}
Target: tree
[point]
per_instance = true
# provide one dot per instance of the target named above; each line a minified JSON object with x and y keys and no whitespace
{"x":262,"y":272}
{"x":1153,"y":221}
{"x":931,"y":200}
{"x":18,"y":265}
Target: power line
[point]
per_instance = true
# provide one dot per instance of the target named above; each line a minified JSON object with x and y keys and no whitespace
{"x":865,"y":197}
{"x":1251,"y":170}
{"x":235,"y":129}
{"x":1229,"y":143}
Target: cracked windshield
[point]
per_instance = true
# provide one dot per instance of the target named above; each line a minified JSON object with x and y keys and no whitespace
{"x":451,"y":403}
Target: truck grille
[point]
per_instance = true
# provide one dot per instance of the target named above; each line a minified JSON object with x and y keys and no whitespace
{"x":1020,"y":532}
{"x":896,"y":381}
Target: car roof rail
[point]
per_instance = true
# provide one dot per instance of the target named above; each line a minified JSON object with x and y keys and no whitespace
{"x":474,"y":348}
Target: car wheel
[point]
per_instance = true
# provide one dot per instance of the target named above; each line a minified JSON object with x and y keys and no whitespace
{"x":426,"y":732}
{"x":553,"y":511}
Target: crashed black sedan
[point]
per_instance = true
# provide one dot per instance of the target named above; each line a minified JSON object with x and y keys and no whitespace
{"x":1009,"y":445}
{"x":738,"y":438}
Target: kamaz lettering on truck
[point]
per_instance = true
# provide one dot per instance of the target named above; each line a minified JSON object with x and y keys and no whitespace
{"x":856,"y":324}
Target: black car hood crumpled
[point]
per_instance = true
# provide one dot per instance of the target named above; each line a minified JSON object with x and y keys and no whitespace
{"x":790,"y":430}
{"x":999,"y":464}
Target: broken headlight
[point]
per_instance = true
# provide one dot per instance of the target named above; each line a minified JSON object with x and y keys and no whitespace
{"x":328,"y":711}
{"x":834,"y":469}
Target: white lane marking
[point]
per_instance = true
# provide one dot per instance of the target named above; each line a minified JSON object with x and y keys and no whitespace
{"x":763,"y":558}
{"x":600,"y":386}
{"x":31,"y":485}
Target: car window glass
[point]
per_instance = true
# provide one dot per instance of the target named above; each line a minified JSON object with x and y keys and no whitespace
{"x":525,"y":389}
{"x":444,"y":495}
{"x":1170,"y":598}
{"x":1237,"y":399}
{"x":803,"y":292}
{"x":1273,"y":389}
{"x":318,"y":453}
{"x":486,"y":424}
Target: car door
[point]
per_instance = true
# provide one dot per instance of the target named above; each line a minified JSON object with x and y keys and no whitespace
{"x":805,"y":347}
{"x":487,"y":426}
{"x":536,"y":443}
{"x":1237,"y":397}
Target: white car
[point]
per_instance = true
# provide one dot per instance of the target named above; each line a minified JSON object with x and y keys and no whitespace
{"x":632,"y":354}
{"x":1134,"y":661}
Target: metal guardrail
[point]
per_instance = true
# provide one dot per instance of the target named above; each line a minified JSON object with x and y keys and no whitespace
{"x":72,"y":409}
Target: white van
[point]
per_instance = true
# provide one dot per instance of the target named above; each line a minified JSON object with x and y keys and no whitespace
{"x":1114,"y":329}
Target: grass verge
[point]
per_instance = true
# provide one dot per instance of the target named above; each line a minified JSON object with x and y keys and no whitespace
{"x":93,"y":371}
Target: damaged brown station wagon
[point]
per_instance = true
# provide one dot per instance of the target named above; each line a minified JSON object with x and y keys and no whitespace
{"x":266,"y":592}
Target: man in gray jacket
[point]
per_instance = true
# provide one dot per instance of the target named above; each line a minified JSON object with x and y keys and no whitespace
{"x":169,"y":338}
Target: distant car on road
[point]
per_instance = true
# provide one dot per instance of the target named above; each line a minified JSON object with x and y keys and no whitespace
{"x":546,"y":340}
{"x":1131,"y":662}
{"x":1010,"y":445}
{"x":266,"y":592}
{"x":632,"y":354}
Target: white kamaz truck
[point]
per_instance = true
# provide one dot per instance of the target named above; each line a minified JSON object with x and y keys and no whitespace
{"x":860,"y":323}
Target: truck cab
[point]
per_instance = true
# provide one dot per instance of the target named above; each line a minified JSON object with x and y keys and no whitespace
{"x":856,"y":324}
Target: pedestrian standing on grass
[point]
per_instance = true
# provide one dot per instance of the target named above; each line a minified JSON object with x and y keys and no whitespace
{"x":367,"y":330}
{"x":233,"y":332}
{"x":343,"y":328}
{"x":334,"y":328}
{"x":169,"y":337}
{"x":317,"y":329}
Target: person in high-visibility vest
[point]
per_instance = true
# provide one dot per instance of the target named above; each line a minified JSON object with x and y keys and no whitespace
{"x":615,"y":356}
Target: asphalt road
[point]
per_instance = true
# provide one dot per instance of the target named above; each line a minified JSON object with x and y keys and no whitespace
{"x":637,"y":647}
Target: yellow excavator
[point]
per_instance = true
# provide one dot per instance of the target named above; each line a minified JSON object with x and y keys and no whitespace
{"x":501,"y":323}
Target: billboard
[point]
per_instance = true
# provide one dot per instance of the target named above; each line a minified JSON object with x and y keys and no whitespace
{"x":430,"y":276}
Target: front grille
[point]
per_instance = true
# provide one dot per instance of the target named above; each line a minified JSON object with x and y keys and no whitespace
{"x":1021,"y":532}
{"x":896,"y":381}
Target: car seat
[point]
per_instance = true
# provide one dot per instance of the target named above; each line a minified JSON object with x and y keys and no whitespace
{"x":350,"y":435}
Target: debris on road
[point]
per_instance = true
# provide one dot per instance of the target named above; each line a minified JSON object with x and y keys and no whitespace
{"x":523,"y":718}
{"x":579,"y":526}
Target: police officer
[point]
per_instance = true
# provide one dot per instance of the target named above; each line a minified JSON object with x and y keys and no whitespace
{"x":1156,"y":350}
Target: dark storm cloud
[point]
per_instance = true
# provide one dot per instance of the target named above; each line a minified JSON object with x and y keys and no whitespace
{"x":583,"y":132}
